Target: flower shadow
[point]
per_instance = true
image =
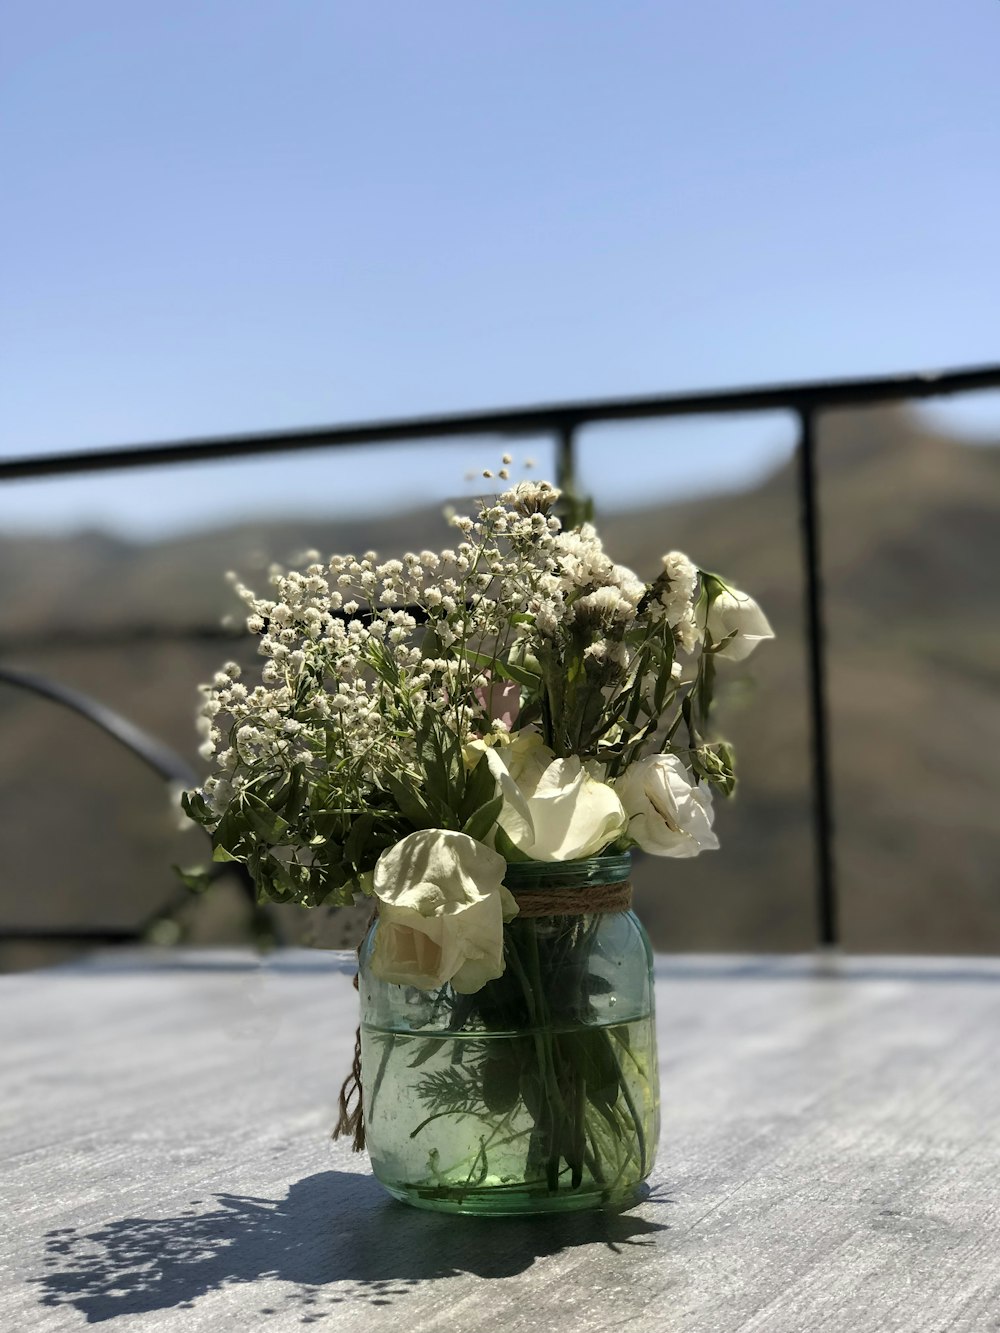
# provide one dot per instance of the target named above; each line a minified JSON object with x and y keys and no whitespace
{"x":334,"y":1237}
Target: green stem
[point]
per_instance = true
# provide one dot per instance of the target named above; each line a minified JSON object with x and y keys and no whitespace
{"x":543,"y":1041}
{"x":630,"y":1103}
{"x":383,"y":1064}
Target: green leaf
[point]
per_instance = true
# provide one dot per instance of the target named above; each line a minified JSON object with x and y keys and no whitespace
{"x":410,"y":802}
{"x":328,"y":881}
{"x":221,"y":854}
{"x":329,"y":824}
{"x":713,"y":649}
{"x":506,"y":670}
{"x":195,"y":806}
{"x":530,"y":713}
{"x":277,"y":882}
{"x":705,"y":686}
{"x":359,"y":837}
{"x":428,"y":1049}
{"x":295,"y":793}
{"x":711,"y":586}
{"x":230,"y":836}
{"x":197,"y":879}
{"x":687,"y":712}
{"x":501,"y":1082}
{"x":597,"y":985}
{"x":478,"y":825}
{"x":480,"y":787}
{"x":264,"y":822}
{"x":664,"y":681}
{"x":506,"y":848}
{"x":440,"y":754}
{"x":430,"y":645}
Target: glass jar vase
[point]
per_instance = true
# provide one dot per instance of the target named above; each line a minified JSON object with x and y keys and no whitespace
{"x":540,"y":1091}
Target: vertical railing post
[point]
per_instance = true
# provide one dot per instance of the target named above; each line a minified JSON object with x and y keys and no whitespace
{"x":566,"y":458}
{"x":826,"y":885}
{"x":574,"y":509}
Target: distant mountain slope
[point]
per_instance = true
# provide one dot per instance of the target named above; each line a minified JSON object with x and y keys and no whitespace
{"x":911,"y":535}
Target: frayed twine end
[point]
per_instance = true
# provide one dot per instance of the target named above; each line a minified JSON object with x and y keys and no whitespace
{"x":352,"y":1111}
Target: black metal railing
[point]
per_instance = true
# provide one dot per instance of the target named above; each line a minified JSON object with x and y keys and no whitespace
{"x":561,"y":421}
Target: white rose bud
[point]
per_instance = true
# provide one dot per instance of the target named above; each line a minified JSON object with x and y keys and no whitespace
{"x":442,"y":907}
{"x":554,"y":809}
{"x":668,"y":814}
{"x":733,"y":612}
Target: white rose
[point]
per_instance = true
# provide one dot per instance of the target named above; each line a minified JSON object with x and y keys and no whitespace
{"x":554,"y":809}
{"x":442,"y":906}
{"x":733,"y":612}
{"x":668,"y":814}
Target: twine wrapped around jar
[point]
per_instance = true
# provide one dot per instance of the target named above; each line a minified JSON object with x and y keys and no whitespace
{"x":590,"y":900}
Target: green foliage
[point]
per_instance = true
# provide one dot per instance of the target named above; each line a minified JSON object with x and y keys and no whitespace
{"x":479,"y":823}
{"x":506,"y":670}
{"x":299,"y":849}
{"x":196,"y":879}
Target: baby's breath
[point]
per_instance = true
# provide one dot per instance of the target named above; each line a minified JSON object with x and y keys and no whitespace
{"x":376,"y":674}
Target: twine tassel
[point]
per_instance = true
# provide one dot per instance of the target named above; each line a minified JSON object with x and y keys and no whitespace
{"x":352,"y":1118}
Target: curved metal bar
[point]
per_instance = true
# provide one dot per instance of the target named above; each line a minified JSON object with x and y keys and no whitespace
{"x":164,"y":761}
{"x":159,"y":757}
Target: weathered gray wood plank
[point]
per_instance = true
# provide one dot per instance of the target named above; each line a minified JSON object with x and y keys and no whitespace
{"x":830,"y":1161}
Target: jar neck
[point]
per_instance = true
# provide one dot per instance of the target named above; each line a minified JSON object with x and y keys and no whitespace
{"x":523,"y":876}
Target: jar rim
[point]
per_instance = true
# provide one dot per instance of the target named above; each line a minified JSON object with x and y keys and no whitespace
{"x":610,"y":868}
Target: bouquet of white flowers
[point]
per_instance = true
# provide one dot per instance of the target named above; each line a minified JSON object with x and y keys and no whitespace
{"x":425,"y":726}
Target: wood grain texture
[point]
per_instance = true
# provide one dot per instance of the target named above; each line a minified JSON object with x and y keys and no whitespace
{"x":830,"y":1161}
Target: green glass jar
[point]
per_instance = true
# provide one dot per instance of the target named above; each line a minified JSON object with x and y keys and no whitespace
{"x":540,"y":1091}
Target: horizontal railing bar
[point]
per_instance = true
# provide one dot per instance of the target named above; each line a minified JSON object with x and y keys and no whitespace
{"x":557,"y":417}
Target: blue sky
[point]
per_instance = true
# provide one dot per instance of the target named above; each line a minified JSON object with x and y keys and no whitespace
{"x":247,"y":214}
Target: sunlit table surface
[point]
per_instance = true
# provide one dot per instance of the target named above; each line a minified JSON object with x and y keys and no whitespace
{"x":830,"y":1160}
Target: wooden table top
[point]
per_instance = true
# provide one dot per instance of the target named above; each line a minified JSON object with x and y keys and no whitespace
{"x":830,"y":1160}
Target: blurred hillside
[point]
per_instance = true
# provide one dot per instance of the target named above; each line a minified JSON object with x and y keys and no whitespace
{"x":911,"y":542}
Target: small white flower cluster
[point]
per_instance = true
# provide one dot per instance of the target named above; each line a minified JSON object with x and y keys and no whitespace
{"x":677,"y":586}
{"x":357,"y":648}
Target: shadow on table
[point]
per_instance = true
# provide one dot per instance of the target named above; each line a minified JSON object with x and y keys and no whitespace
{"x":334,"y":1227}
